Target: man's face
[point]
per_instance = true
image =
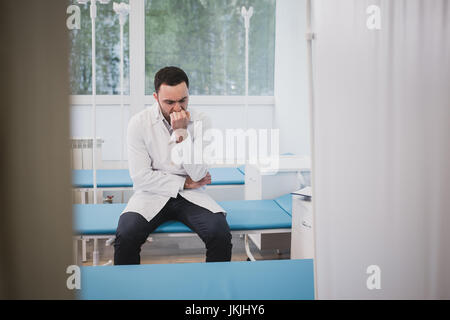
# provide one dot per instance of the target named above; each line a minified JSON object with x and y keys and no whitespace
{"x":172,"y":98}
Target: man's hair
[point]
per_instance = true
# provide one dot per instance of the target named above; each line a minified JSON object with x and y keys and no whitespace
{"x":170,"y":76}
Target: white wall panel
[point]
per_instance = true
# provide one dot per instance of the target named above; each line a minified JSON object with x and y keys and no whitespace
{"x":291,"y":115}
{"x":108,"y":122}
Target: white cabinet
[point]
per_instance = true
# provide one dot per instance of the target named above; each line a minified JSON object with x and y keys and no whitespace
{"x":259,"y":185}
{"x":302,"y":237}
{"x":266,"y":183}
{"x":262,"y":182}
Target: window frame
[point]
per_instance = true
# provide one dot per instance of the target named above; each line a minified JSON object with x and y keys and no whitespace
{"x":137,"y":99}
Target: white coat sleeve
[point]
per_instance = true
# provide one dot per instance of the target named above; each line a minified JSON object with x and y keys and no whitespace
{"x":140,"y":165}
{"x":195,"y":169}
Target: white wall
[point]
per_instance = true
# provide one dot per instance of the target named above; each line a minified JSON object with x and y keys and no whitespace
{"x":291,"y":114}
{"x":108,"y":127}
{"x":223,"y":116}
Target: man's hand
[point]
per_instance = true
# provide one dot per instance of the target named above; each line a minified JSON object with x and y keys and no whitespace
{"x":189,"y":184}
{"x":180,"y":120}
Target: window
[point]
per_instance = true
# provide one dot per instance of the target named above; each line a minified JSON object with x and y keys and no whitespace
{"x":206,"y":38}
{"x":107,"y":52}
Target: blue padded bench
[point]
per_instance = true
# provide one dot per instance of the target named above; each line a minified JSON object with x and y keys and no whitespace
{"x":260,"y":280}
{"x":285,"y":202}
{"x":99,"y":221}
{"x":106,"y":178}
{"x":226,"y":184}
{"x":120,"y":178}
{"x":231,"y":179}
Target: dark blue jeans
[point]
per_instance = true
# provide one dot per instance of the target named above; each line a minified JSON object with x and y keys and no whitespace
{"x":133,"y":230}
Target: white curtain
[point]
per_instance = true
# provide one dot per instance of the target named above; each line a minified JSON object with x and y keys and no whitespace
{"x":381,"y":126}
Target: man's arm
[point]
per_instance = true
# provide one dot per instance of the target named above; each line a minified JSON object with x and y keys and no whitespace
{"x":186,"y":142}
{"x":141,"y":171}
{"x":191,"y":184}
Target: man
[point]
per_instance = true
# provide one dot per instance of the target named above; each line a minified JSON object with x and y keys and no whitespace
{"x":166,"y":189}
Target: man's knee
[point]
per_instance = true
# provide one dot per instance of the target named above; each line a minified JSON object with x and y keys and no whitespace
{"x":218,"y":244}
{"x":131,"y":229}
{"x":219,"y":231}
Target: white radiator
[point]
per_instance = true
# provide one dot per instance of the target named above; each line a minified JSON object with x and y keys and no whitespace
{"x":81,"y":158}
{"x":81,"y":153}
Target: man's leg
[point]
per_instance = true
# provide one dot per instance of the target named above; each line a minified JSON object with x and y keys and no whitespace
{"x":132,"y":232}
{"x":212,"y":228}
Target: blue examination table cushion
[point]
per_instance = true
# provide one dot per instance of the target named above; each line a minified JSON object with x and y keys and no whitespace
{"x":224,"y":176}
{"x":98,"y":219}
{"x":120,"y":178}
{"x":106,"y":178}
{"x":285,"y":202}
{"x":257,"y":280}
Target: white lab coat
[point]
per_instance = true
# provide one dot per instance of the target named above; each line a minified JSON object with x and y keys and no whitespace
{"x":155,"y":176}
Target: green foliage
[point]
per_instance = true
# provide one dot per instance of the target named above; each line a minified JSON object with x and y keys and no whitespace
{"x":107,"y":52}
{"x":204,"y":37}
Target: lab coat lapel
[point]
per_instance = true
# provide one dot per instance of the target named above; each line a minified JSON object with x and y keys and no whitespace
{"x":157,"y":122}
